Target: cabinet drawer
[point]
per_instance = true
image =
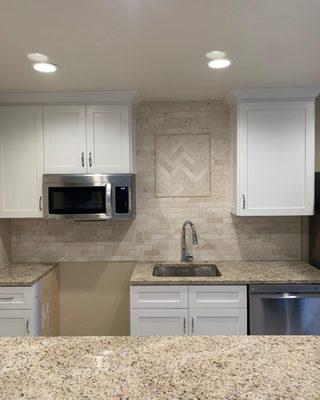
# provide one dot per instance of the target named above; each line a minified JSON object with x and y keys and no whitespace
{"x":159,"y":297}
{"x":17,"y":298}
{"x":217,"y":296}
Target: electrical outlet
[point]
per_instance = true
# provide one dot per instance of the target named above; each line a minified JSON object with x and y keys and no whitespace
{"x":139,"y":237}
{"x":265,"y":235}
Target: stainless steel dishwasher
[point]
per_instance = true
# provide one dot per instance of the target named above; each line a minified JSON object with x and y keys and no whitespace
{"x":284,"y":309}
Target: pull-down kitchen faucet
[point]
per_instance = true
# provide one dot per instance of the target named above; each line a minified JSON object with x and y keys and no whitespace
{"x":186,"y":255}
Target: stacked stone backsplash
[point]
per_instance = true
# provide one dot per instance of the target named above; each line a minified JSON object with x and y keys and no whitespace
{"x":182,"y":151}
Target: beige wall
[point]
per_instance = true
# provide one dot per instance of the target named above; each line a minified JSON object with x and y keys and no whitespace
{"x":182,"y":147}
{"x":94,"y":298}
{"x":5,"y":242}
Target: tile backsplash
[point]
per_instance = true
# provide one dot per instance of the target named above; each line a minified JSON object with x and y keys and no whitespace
{"x":202,"y":197}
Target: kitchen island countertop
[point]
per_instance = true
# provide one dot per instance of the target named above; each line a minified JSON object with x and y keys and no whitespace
{"x":161,"y":368}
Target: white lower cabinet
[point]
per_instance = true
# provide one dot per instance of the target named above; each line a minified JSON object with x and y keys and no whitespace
{"x":31,"y":311}
{"x":157,"y":322}
{"x":188,"y":310}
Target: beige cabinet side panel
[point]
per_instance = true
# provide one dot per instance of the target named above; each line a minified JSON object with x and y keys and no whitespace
{"x":50,"y":304}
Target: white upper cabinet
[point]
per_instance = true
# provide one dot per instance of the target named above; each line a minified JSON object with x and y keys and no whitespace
{"x":21,"y":161}
{"x":87,"y":139}
{"x":65,"y":139}
{"x":108,"y":139}
{"x":272,"y":153}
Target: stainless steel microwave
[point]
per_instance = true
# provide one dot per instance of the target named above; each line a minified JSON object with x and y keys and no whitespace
{"x":89,"y":196}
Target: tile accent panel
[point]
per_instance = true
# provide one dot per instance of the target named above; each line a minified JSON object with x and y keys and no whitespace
{"x":156,"y":232}
{"x":182,"y":165}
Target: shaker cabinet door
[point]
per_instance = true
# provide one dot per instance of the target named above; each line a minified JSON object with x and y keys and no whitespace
{"x":159,"y":322}
{"x":16,"y":323}
{"x":218,"y":321}
{"x":108,"y":133}
{"x":65,"y":139}
{"x":21,"y":161}
{"x":276,"y":158}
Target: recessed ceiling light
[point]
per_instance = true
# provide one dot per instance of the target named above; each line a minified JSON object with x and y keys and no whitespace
{"x":38,"y":57}
{"x":45,"y":67}
{"x":220,"y":63}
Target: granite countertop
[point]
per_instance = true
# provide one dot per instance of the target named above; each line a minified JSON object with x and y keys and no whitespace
{"x":24,"y":274}
{"x":161,"y":368}
{"x":236,"y":273}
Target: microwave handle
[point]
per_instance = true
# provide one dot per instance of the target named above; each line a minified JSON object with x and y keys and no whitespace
{"x":108,"y":200}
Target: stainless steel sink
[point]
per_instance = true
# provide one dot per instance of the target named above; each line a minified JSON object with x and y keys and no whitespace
{"x":172,"y":270}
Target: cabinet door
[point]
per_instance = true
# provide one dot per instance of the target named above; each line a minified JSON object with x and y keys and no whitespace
{"x":64,"y":139}
{"x":218,"y":321}
{"x":108,"y":135}
{"x":276,"y":158}
{"x":21,"y":161}
{"x":16,"y":323}
{"x":166,"y":322}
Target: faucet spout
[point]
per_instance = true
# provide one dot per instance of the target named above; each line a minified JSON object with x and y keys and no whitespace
{"x":186,"y":255}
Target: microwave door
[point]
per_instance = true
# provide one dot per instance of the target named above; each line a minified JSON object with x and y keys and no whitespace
{"x":78,"y":202}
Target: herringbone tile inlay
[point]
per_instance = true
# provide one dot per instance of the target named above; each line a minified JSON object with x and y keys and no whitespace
{"x":182,"y":165}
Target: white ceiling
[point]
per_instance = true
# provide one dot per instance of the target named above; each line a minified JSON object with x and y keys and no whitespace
{"x":158,"y":46}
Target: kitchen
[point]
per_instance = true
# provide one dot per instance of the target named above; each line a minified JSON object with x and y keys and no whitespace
{"x":238,"y":163}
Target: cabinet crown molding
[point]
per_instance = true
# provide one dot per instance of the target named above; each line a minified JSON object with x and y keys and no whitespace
{"x":78,"y":97}
{"x":271,"y":94}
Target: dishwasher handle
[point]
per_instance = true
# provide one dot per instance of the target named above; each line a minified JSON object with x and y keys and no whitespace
{"x":283,"y":296}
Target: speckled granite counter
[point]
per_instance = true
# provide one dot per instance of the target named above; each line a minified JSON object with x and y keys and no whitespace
{"x":24,"y":274}
{"x":236,"y":273}
{"x":161,"y":368}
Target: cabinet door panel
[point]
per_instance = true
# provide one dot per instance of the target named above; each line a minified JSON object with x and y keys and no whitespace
{"x":218,"y":322}
{"x":21,"y":161}
{"x":108,"y":139}
{"x":166,"y":322}
{"x":276,"y":158}
{"x":16,"y":323}
{"x":64,"y":139}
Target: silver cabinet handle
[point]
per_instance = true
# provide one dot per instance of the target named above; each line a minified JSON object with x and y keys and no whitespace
{"x":82,"y":159}
{"x":184,"y":324}
{"x":27,"y":327}
{"x":6,"y":298}
{"x":90,"y":159}
{"x":40,"y":203}
{"x":192,"y":325}
{"x":243,"y":201}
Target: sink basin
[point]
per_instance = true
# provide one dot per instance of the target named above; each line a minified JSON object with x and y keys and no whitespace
{"x":172,"y":270}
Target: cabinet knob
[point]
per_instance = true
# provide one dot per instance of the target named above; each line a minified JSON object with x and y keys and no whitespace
{"x":82,"y":159}
{"x":40,"y":203}
{"x":192,"y":325}
{"x":184,"y":324}
{"x":90,"y":159}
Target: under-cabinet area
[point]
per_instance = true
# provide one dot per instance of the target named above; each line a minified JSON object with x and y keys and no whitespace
{"x":188,"y":310}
